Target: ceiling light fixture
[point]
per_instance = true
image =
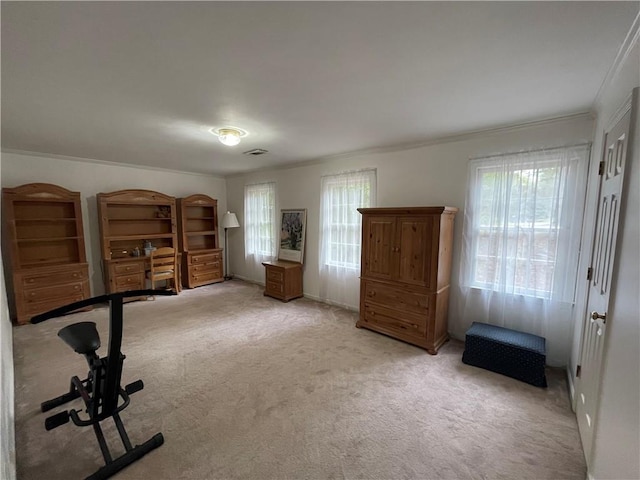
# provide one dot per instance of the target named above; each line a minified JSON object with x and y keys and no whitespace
{"x":229,"y":136}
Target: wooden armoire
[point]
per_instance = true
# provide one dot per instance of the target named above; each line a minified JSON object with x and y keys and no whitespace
{"x":43,"y":249}
{"x":405,"y":271}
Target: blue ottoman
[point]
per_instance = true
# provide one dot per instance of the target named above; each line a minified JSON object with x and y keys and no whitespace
{"x":518,"y":355}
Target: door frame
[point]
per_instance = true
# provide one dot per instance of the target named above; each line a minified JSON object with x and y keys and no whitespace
{"x":587,"y":244}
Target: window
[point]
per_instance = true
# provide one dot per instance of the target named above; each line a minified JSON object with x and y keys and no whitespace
{"x":520,"y":222}
{"x":340,"y":220}
{"x":260,"y":219}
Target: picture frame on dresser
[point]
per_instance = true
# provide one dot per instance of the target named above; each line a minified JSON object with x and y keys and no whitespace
{"x":293,"y":222}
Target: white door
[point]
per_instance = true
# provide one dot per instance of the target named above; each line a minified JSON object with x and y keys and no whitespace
{"x":604,"y":243}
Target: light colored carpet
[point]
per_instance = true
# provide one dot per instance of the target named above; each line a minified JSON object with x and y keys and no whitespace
{"x":246,"y":387}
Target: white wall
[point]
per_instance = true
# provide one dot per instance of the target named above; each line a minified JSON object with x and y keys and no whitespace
{"x":90,"y":178}
{"x":428,"y":175}
{"x":617,"y":433}
{"x":7,"y":408}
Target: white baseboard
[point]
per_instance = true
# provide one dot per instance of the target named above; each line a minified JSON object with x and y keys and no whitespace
{"x":306,"y":295}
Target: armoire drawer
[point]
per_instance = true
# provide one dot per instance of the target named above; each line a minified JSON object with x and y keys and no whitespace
{"x":396,"y":298}
{"x":389,"y":319}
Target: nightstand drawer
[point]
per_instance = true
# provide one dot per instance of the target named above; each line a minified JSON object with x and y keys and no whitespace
{"x":274,"y":275}
{"x":275,"y":287}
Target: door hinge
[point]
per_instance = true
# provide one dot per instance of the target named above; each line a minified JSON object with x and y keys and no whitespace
{"x":601,"y":168}
{"x":589,"y":273}
{"x":578,"y":370}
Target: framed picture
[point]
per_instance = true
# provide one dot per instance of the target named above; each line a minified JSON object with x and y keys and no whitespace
{"x":292,"y":232}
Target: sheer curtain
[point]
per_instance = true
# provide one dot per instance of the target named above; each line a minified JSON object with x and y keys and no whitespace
{"x":259,"y":227}
{"x":340,"y":234}
{"x":521,"y":242}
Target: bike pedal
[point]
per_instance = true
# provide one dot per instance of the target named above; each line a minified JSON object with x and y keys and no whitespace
{"x":134,"y":387}
{"x":56,"y":420}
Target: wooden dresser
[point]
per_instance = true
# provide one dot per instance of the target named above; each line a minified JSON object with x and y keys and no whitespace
{"x":128,"y":220}
{"x":199,"y":241}
{"x":405,"y":271}
{"x":43,"y":249}
{"x":283,"y":280}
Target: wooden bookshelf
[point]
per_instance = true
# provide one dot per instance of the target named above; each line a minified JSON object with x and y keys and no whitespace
{"x":199,"y":241}
{"x":43,"y":249}
{"x":129,"y":219}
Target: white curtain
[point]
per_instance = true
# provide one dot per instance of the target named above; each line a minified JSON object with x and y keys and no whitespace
{"x":340,"y":234}
{"x":259,"y":227}
{"x":521,"y":243}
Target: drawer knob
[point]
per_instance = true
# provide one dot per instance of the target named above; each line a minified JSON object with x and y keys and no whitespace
{"x":372,"y":293}
{"x":31,"y":280}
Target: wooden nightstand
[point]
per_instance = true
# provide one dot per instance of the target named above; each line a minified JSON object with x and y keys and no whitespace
{"x":283,"y":280}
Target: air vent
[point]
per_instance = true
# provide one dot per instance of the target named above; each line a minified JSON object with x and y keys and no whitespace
{"x":255,"y":151}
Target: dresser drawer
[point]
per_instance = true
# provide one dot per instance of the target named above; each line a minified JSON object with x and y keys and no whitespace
{"x":205,"y":277}
{"x":76,"y":274}
{"x":34,"y":308}
{"x":205,"y":267}
{"x":135,"y":281}
{"x":130,"y":267}
{"x":387,"y":319}
{"x":34,"y":295}
{"x":204,"y":258}
{"x":396,"y":299}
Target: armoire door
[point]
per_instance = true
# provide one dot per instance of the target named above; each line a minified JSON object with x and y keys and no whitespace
{"x":415,"y":248}
{"x":379,"y":252}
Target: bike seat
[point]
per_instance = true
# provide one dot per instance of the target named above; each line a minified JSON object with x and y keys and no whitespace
{"x":82,"y":337}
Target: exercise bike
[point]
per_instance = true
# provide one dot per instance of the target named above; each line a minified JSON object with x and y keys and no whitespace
{"x":101,"y":391}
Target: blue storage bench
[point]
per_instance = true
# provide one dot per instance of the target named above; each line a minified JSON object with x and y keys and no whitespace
{"x":516,"y":354}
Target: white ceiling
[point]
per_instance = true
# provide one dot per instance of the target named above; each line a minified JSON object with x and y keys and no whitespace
{"x":142,"y":82}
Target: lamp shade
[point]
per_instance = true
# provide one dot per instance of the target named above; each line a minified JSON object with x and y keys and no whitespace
{"x":229,"y":220}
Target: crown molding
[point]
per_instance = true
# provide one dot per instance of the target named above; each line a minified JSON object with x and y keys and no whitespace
{"x":105,"y":162}
{"x":469,"y":135}
{"x":627,"y":46}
